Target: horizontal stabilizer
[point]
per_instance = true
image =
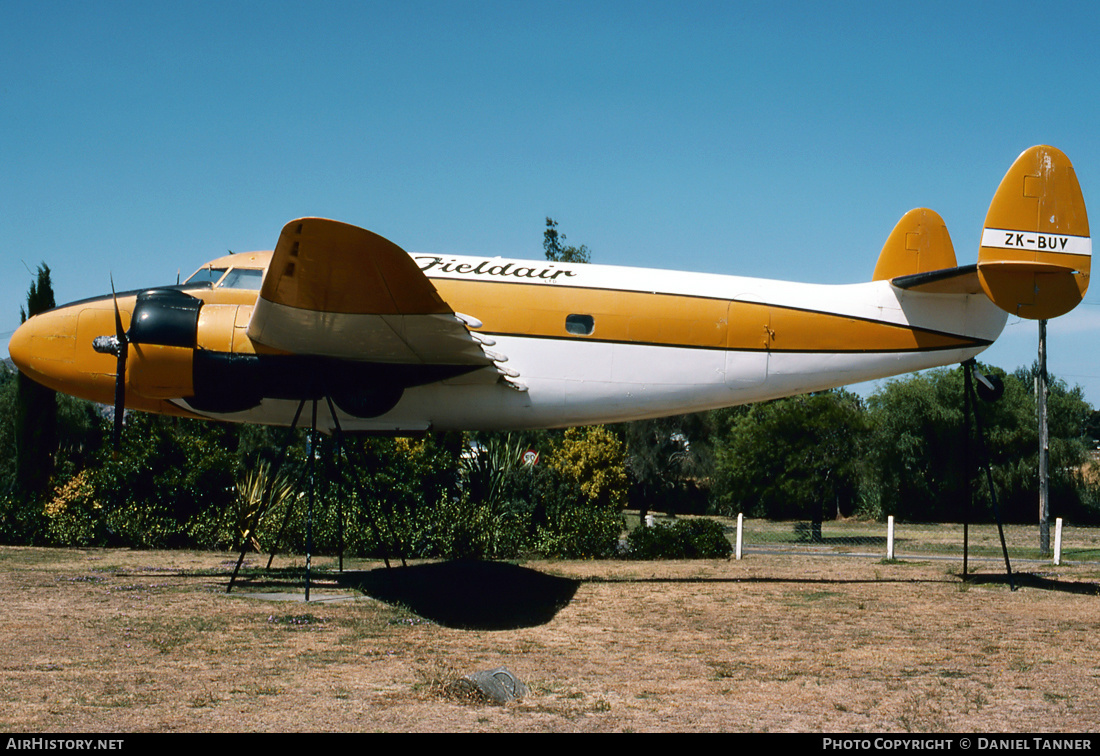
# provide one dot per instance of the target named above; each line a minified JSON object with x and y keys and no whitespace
{"x":963,"y":280}
{"x":1036,"y":252}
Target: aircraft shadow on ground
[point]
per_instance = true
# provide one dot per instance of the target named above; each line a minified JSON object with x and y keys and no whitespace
{"x":475,"y":595}
{"x":1031,"y":580}
{"x":469,"y":595}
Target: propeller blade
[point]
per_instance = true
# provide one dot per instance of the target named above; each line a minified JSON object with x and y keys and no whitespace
{"x":120,"y":393}
{"x":119,"y":333}
{"x":123,"y":343}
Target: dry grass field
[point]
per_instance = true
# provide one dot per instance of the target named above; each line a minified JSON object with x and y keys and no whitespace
{"x":126,"y":641}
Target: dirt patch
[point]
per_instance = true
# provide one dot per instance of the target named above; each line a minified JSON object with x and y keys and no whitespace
{"x":125,"y":641}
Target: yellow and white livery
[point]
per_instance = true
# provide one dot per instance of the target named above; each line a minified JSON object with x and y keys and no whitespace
{"x":405,"y":343}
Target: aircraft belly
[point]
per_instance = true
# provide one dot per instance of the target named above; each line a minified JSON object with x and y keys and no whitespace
{"x":574,"y":382}
{"x":746,"y":369}
{"x":804,"y":372}
{"x":579,"y":382}
{"x":569,"y":382}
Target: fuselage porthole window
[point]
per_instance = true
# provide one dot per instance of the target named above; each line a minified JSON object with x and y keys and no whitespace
{"x":581,"y":325}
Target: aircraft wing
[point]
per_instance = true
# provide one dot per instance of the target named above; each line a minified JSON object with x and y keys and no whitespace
{"x":336,"y":290}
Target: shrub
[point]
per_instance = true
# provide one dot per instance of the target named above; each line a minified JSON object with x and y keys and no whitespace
{"x":580,"y":532}
{"x":74,"y":517}
{"x":684,"y":539}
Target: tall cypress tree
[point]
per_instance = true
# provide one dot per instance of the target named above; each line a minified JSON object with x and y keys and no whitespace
{"x":36,"y":408}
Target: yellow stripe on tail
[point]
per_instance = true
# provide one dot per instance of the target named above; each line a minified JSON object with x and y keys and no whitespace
{"x":1036,"y":251}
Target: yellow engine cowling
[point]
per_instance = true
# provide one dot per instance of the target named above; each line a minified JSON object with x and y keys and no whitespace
{"x":160,"y":372}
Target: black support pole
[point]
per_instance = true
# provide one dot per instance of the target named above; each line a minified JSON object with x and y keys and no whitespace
{"x":337,"y":436}
{"x":309,"y":502}
{"x":992,"y":491}
{"x":274,"y":473}
{"x":969,"y":501}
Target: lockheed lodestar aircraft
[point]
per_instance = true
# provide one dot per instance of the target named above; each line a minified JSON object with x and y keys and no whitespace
{"x":404,"y":343}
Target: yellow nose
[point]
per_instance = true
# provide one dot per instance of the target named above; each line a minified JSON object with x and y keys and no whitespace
{"x":43,"y":348}
{"x":55,"y":349}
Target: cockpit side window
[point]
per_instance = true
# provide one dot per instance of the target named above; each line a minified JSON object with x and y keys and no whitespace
{"x":207,"y":275}
{"x":243,"y":278}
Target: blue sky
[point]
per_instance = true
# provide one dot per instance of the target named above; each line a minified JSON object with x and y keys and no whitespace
{"x":771,"y":139}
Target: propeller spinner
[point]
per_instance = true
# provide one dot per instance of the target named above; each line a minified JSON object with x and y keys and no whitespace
{"x":117,"y":345}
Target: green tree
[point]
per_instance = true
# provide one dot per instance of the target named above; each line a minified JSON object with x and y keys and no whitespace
{"x":1068,"y":423}
{"x":798,"y":457}
{"x":168,"y":475}
{"x":36,"y":409}
{"x":22,"y":521}
{"x":670,"y":462}
{"x":581,"y":489}
{"x":8,"y":386}
{"x":555,"y":249}
{"x":918,"y":449}
{"x":594,"y":459}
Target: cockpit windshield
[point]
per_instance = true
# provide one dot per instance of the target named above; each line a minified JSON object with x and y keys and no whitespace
{"x":242,"y":278}
{"x":237,"y":278}
{"x":207,"y":275}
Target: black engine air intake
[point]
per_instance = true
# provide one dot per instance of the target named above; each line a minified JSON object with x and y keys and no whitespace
{"x":165,"y":317}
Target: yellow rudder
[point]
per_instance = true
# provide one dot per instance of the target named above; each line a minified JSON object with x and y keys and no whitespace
{"x":1036,"y":251}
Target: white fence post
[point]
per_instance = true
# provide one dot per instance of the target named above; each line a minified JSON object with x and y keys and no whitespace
{"x":740,"y":526}
{"x":1057,"y":541}
{"x":890,"y":537}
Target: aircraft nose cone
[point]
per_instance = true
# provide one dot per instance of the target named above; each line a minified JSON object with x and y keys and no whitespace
{"x":19,"y":348}
{"x":43,"y":347}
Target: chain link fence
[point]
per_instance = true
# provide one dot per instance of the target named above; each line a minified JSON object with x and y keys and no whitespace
{"x":911,"y":540}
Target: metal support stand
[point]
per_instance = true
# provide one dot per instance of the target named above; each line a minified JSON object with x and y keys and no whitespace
{"x":309,"y":501}
{"x":274,"y":473}
{"x":353,"y":478}
{"x":385,"y":539}
{"x":1044,"y":444}
{"x":969,"y":478}
{"x":984,"y":455}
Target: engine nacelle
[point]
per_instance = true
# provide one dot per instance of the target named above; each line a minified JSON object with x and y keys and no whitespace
{"x":160,"y":372}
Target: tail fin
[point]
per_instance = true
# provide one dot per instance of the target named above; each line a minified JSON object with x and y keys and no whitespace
{"x":1036,"y":251}
{"x":919,"y":243}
